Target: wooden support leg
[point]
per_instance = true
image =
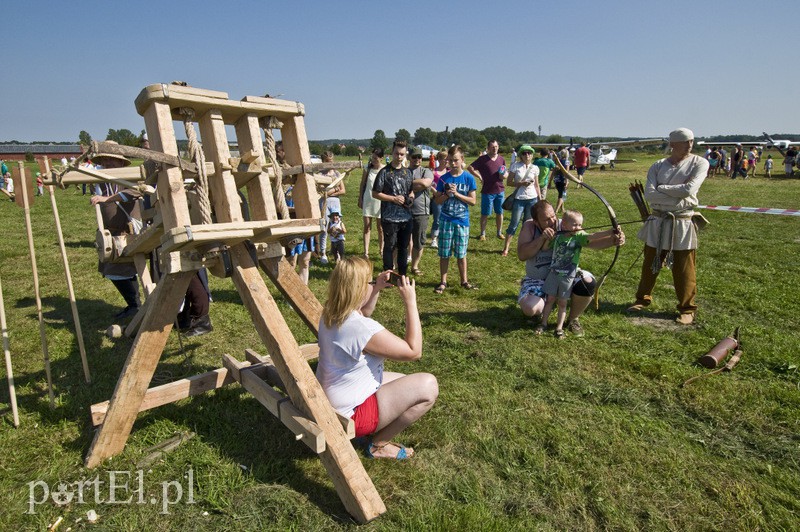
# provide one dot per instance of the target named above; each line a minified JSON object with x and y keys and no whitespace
{"x":42,"y":334}
{"x":139,"y":368}
{"x":73,"y":304}
{"x":352,"y":483}
{"x":142,"y":268}
{"x":299,"y":295}
{"x":9,"y":373}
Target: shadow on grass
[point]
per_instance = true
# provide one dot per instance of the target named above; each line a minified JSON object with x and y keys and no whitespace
{"x":80,"y":244}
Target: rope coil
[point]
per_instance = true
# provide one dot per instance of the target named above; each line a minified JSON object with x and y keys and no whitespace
{"x":268,"y":124}
{"x":199,"y":158}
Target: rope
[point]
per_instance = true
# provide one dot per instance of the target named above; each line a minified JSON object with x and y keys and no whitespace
{"x":268,"y":124}
{"x":199,"y":158}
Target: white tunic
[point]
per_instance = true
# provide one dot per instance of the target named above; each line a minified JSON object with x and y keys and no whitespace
{"x":673,"y":189}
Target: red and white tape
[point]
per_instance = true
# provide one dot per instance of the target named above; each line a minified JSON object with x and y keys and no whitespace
{"x":761,"y":210}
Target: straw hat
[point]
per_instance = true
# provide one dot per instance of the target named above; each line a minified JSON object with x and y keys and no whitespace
{"x":102,"y":155}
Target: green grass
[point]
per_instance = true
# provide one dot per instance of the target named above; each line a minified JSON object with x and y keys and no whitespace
{"x":528,"y":433}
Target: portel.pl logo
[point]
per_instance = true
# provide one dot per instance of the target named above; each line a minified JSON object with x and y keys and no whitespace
{"x":119,"y":487}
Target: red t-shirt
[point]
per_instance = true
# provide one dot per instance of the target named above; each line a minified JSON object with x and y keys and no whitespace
{"x":581,"y":157}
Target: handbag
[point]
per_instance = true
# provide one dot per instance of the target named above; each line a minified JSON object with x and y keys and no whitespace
{"x":508,"y":203}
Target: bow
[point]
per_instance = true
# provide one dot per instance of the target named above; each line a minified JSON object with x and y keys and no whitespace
{"x":612,"y":216}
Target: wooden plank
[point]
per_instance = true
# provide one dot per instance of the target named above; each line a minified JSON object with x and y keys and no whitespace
{"x":171,"y":195}
{"x":351,"y":481}
{"x":299,"y":295}
{"x":259,"y":189}
{"x":202,"y":101}
{"x":222,"y":186}
{"x":143,"y":269}
{"x":295,"y":143}
{"x":276,"y":403}
{"x":172,"y":392}
{"x":272,"y":378}
{"x":138,"y":370}
{"x":146,"y":241}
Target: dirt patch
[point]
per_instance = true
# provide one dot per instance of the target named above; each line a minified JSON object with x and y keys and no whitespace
{"x":474,"y":335}
{"x":660,"y":323}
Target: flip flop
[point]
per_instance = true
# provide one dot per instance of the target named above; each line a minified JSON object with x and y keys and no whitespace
{"x":440,"y":288}
{"x":402,"y":454}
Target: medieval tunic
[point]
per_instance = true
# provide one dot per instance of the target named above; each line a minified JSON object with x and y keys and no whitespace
{"x":672,"y":190}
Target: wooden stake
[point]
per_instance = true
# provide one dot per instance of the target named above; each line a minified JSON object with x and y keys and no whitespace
{"x":32,"y":251}
{"x":44,"y":166}
{"x":9,"y":373}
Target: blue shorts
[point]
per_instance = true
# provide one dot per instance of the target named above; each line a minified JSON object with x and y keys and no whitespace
{"x":492,"y":201}
{"x":452,"y":238}
{"x":581,"y":169}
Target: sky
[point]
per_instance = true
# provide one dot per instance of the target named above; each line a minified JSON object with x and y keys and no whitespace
{"x":615,"y":68}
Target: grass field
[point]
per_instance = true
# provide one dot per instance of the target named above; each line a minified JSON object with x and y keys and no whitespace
{"x":528,"y":433}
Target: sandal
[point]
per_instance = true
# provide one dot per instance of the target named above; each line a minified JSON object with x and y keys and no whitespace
{"x":540,"y":329}
{"x":466,"y":285}
{"x":416,"y":271}
{"x":440,"y":288}
{"x":559,"y":334}
{"x":403,"y":454}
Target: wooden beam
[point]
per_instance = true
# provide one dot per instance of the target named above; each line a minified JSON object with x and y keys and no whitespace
{"x":278,"y":405}
{"x":171,"y":392}
{"x":139,"y":368}
{"x":299,"y":295}
{"x":171,"y":195}
{"x":222,"y":186}
{"x":351,"y":481}
{"x":259,"y":189}
{"x":295,"y":143}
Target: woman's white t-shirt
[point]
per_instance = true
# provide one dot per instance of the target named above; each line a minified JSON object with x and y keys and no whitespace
{"x":520,"y":171}
{"x":347,"y":373}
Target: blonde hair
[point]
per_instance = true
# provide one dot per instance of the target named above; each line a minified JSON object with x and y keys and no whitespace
{"x":573,"y":216}
{"x":347,"y":289}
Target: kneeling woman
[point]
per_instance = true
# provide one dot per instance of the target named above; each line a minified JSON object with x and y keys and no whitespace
{"x":352,"y":349}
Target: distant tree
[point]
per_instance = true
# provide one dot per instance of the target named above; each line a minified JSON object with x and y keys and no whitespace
{"x":351,"y":150}
{"x":443,"y":138}
{"x":502,"y":134}
{"x":526,"y":136}
{"x":465,"y":136}
{"x":84,"y":138}
{"x":126,"y":137}
{"x":425,"y":135}
{"x":29,"y":156}
{"x":316,"y":148}
{"x":402,"y":134}
{"x":481,"y":142}
{"x":378,"y":141}
{"x":556,"y":139}
{"x":335,"y":148}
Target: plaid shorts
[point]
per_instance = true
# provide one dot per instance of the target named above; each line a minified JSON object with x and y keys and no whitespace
{"x":452,"y":238}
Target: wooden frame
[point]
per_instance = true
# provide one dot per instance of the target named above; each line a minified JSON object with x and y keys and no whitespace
{"x":306,"y":411}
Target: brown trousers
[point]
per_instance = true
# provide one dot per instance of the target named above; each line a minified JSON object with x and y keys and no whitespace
{"x":684,"y":278}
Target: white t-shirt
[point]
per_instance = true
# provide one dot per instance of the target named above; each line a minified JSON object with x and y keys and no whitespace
{"x":520,"y":172}
{"x":348,"y":374}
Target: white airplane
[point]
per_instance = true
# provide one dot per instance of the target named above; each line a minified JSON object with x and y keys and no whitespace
{"x":598,"y":154}
{"x":427,"y":150}
{"x":780,"y":144}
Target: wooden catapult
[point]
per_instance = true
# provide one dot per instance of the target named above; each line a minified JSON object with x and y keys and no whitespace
{"x":188,"y":238}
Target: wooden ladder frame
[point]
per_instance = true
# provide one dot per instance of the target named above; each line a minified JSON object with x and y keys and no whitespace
{"x":158,"y":104}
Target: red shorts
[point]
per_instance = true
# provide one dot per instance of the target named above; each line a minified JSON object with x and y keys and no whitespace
{"x":366,"y":416}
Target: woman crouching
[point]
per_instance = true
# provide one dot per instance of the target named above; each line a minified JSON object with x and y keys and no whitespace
{"x":352,"y":349}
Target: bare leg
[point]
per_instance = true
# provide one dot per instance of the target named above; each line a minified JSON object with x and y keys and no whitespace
{"x":548,"y":307}
{"x":367,"y":234}
{"x":499,"y":223}
{"x":562,"y":313}
{"x":444,"y":265}
{"x":380,"y":238}
{"x":532,"y":305}
{"x":484,"y":219}
{"x":416,"y":255}
{"x":402,"y":401}
{"x":507,"y":244}
{"x":462,"y":269}
{"x":578,"y":305}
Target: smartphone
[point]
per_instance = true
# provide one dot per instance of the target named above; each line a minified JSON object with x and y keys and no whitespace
{"x":394,"y":278}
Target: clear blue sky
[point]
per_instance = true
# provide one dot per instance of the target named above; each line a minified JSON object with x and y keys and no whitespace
{"x":616,"y":68}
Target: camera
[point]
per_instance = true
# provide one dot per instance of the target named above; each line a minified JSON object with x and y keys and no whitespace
{"x":409,"y":202}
